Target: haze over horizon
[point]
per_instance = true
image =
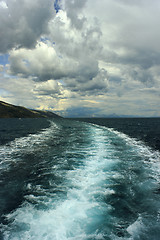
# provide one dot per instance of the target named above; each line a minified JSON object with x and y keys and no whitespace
{"x":81,"y":58}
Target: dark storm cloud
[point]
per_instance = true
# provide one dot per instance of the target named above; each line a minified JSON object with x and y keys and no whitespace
{"x":22,"y":22}
{"x":143,"y":58}
{"x":96,"y":86}
{"x":131,"y":39}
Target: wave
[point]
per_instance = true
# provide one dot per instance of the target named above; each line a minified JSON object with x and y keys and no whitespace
{"x":97,"y":183}
{"x":11,"y":152}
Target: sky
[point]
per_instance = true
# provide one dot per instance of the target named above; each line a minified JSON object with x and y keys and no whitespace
{"x":81,"y":58}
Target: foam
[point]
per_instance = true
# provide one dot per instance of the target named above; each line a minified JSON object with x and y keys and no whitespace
{"x":74,"y":216}
{"x":135,"y":228}
{"x":77,"y":214}
{"x":150,"y":157}
{"x":25,"y":144}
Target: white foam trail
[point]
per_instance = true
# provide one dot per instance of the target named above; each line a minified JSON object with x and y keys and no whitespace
{"x":135,"y":228}
{"x":80,"y":213}
{"x":151,"y":157}
{"x":150,"y":160}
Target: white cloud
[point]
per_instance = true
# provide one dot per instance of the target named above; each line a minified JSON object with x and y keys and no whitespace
{"x":1,"y":68}
{"x":102,"y":55}
{"x":75,"y":63}
{"x":42,"y":62}
{"x":23,"y":22}
{"x":3,"y":4}
{"x":47,"y":88}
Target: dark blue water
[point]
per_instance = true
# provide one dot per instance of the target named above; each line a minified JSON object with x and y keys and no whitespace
{"x":145,"y":129}
{"x":66,"y":179}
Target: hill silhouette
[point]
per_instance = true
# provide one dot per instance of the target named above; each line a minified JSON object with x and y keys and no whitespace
{"x":11,"y":111}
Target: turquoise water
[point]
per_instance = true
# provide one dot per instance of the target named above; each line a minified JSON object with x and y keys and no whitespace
{"x":65,"y":179}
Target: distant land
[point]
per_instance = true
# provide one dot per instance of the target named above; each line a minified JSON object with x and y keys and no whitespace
{"x":11,"y":111}
{"x":113,"y":115}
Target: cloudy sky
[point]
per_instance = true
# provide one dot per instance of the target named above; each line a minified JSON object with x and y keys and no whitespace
{"x":81,"y":57}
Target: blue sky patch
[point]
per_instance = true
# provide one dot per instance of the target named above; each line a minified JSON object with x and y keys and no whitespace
{"x":4,"y":59}
{"x":57,"y":5}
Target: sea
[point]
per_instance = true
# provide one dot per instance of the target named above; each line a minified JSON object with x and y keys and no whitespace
{"x":80,"y":179}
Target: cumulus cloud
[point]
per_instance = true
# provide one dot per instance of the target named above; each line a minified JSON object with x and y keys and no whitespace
{"x":98,"y":54}
{"x":73,"y":10}
{"x":49,"y":87}
{"x":42,"y":62}
{"x":67,"y":54}
{"x":98,"y":85}
{"x":22,"y":22}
